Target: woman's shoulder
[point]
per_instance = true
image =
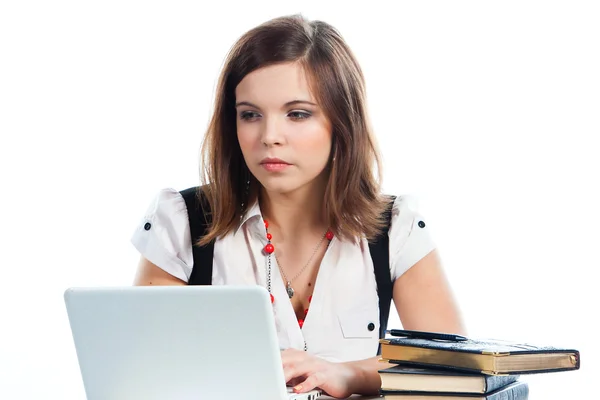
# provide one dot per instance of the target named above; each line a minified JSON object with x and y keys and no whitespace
{"x":165,"y":215}
{"x":167,"y":199}
{"x":406,"y":212}
{"x":410,"y":239}
{"x":162,"y":234}
{"x":403,"y":206}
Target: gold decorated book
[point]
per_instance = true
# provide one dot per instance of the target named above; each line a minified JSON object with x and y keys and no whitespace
{"x":489,"y":357}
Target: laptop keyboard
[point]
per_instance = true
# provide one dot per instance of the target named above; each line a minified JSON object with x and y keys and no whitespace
{"x":309,"y":396}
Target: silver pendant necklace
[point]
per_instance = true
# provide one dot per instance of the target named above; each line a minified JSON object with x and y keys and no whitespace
{"x":289,"y":289}
{"x":270,"y":249}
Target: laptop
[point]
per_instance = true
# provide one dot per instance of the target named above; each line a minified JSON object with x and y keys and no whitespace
{"x":177,"y":342}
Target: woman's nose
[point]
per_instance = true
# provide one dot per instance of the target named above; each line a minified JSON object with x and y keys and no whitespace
{"x":272,"y":132}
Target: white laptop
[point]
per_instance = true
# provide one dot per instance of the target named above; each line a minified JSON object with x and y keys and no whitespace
{"x":177,"y":342}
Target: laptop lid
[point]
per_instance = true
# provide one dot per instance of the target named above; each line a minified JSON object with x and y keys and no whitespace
{"x":176,"y":342}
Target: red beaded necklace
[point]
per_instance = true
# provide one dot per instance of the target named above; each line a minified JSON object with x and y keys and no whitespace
{"x":270,"y":249}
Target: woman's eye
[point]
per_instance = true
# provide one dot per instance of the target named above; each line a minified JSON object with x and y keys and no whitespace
{"x":247,"y":115}
{"x":295,"y":115}
{"x":299,"y":115}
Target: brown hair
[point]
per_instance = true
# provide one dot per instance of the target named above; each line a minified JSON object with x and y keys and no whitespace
{"x":353,"y":201}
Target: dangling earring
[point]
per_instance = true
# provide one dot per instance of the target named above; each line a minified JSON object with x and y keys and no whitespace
{"x":247,"y":191}
{"x":246,"y":194}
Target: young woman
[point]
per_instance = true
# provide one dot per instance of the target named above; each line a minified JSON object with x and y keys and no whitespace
{"x":289,"y":163}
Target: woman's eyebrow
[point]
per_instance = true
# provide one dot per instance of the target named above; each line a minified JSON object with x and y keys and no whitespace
{"x":289,"y":103}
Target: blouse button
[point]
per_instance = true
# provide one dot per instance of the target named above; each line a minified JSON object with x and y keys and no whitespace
{"x":147,"y":226}
{"x":421,"y":224}
{"x":371,"y":326}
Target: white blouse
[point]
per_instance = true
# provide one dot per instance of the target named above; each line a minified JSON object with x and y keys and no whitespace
{"x":344,"y":300}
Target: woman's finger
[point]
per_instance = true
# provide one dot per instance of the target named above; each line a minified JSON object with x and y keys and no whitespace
{"x":296,"y":381}
{"x":311,"y":382}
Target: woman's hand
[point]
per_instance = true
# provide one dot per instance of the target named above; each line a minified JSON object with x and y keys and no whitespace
{"x":307,"y":372}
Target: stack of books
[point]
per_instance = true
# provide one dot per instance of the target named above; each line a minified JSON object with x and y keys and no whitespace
{"x":437,"y":366}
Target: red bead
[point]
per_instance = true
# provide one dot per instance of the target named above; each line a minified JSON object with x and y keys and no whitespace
{"x":306,"y":311}
{"x":272,"y":298}
{"x":310,"y":298}
{"x":329,"y":235}
{"x":300,"y":322}
{"x":266,"y":224}
{"x":269,"y":248}
{"x":269,"y":236}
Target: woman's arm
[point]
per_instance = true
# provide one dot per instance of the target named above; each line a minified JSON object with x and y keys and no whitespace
{"x":337,"y":379}
{"x":367,"y":379}
{"x":149,"y":274}
{"x":424,"y":300}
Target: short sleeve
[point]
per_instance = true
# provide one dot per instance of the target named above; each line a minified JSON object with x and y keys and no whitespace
{"x":163,"y":234}
{"x":410,"y":239}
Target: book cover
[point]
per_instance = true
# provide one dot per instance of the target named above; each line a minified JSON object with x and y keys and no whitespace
{"x":491,"y":357}
{"x":513,"y":391}
{"x":441,"y":380}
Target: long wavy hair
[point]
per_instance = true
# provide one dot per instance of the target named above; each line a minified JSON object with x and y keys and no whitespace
{"x":354,"y":204}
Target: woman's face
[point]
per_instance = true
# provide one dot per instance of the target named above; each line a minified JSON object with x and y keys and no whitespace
{"x":284,"y":135}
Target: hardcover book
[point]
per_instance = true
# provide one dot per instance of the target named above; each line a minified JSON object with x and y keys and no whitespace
{"x":513,"y":391}
{"x":438,"y":380}
{"x":490,"y":357}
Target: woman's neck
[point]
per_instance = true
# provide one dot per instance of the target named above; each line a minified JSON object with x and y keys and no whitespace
{"x":296,"y":213}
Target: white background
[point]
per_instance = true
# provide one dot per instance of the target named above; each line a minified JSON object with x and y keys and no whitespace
{"x":487,"y":112}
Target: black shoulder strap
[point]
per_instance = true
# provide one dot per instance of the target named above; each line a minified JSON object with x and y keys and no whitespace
{"x":199,"y":221}
{"x":380,"y":255}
